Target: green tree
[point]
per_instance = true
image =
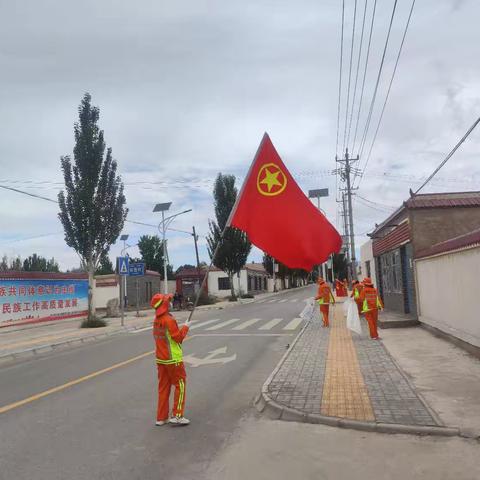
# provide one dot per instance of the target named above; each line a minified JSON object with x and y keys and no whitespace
{"x":151,"y":250}
{"x":37,"y":263}
{"x":4,"y":264}
{"x":234,"y":248}
{"x":340,"y":267}
{"x":92,"y":208}
{"x":16,"y":264}
{"x":105,"y":267}
{"x":282,"y":270}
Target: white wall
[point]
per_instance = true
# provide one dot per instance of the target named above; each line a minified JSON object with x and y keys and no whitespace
{"x":101,"y":295}
{"x":172,"y":286}
{"x":448,"y":297}
{"x":366,"y":254}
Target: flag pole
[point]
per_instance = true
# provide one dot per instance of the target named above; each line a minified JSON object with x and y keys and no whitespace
{"x":227,"y":225}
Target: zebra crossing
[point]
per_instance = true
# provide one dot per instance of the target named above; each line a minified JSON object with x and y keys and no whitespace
{"x":252,"y":324}
{"x":281,"y":300}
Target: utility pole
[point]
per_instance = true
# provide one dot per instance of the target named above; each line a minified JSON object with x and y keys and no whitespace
{"x":345,"y":174}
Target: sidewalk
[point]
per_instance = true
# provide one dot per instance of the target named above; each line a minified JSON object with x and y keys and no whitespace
{"x":336,"y":377}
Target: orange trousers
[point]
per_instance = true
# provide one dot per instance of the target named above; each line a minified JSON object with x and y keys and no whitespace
{"x":371,"y":317}
{"x":359,"y":307}
{"x":324,"y":310}
{"x":168,"y":376}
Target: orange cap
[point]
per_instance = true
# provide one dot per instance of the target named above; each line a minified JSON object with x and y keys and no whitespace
{"x":161,"y":302}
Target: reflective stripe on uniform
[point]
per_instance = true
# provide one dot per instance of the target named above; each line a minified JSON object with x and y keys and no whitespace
{"x":181,"y":384}
{"x":158,"y":303}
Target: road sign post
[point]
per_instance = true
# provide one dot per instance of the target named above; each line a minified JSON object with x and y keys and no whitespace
{"x":136,"y":270}
{"x":123,"y":269}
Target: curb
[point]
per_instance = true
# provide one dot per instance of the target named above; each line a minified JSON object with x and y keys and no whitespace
{"x":265,"y":404}
{"x":40,"y":349}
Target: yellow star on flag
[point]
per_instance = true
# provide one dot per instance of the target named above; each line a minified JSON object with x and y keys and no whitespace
{"x":271,"y":179}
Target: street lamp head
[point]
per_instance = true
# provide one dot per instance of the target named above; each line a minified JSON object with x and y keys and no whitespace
{"x":162,"y":207}
{"x":123,"y":237}
{"x":319,"y":192}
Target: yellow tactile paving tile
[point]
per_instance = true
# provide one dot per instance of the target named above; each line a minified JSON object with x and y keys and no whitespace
{"x":344,"y":391}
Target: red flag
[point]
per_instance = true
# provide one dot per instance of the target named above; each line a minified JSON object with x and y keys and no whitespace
{"x":278,"y":217}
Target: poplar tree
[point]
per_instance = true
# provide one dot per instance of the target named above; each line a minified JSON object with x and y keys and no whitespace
{"x":92,"y":207}
{"x":235,"y":246}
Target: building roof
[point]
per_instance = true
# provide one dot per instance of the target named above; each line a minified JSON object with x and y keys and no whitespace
{"x":432,"y":200}
{"x":253,"y":267}
{"x":444,"y":200}
{"x":190,"y":272}
{"x":463,"y":241}
{"x":256,"y":267}
{"x":152,"y":272}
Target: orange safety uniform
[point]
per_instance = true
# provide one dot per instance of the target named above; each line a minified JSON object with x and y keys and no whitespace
{"x":168,"y":350}
{"x":357,"y":289}
{"x":324,"y":298}
{"x":371,"y":304}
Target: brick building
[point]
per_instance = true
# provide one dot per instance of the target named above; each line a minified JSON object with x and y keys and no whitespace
{"x":421,"y":222}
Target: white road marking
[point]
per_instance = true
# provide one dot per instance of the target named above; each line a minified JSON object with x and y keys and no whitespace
{"x":246,"y":324}
{"x":271,"y":324}
{"x":293,"y":324}
{"x":283,"y":301}
{"x":210,"y":358}
{"x":272,"y":301}
{"x":201,"y":324}
{"x":294,"y":300}
{"x":223,"y":324}
{"x":260,"y":301}
{"x":141,"y":330}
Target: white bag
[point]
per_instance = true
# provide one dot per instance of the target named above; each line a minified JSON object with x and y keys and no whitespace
{"x":308,"y":312}
{"x":353,"y":319}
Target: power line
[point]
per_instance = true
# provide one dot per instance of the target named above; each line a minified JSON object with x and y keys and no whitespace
{"x":374,"y":97}
{"x":358,"y":69}
{"x":340,"y":77}
{"x":389,"y":88}
{"x":382,"y":205}
{"x":29,"y":194}
{"x":364,"y":74}
{"x":447,"y":158}
{"x":350,"y":74}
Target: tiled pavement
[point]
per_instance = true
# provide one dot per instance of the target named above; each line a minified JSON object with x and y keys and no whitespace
{"x":335,"y":372}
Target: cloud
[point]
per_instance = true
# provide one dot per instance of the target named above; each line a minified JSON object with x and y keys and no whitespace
{"x":187,"y":89}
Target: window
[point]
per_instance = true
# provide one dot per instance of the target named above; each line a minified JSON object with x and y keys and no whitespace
{"x":224,"y":283}
{"x":391,"y":272}
{"x":369,"y":272}
{"x":264,"y":283}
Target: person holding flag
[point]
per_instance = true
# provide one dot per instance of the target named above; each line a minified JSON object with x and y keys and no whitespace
{"x":171,"y":371}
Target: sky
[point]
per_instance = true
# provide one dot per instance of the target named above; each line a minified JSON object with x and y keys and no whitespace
{"x":186,"y":89}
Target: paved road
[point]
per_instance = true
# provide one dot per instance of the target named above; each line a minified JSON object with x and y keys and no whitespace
{"x":102,"y":426}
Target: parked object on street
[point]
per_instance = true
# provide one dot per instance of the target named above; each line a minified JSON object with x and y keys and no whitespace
{"x":353,"y":318}
{"x":371,"y":305}
{"x":325,"y":298}
{"x":171,"y":371}
{"x":308,"y":313}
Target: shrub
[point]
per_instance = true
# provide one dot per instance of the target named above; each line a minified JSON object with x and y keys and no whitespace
{"x":247,"y":295}
{"x":93,"y":323}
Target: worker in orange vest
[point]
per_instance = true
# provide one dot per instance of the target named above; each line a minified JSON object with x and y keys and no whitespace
{"x":171,"y":371}
{"x":357,"y":288}
{"x":345,"y":287}
{"x":371,"y":304}
{"x":324,"y":298}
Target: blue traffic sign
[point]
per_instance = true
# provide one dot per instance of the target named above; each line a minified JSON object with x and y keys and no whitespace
{"x":122,"y":265}
{"x":136,"y":269}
